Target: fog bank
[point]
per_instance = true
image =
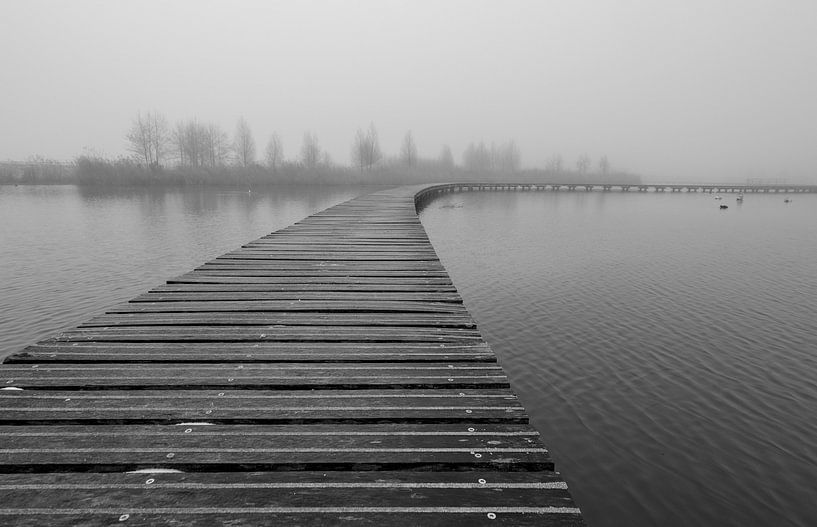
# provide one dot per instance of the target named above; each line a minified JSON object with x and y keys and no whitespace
{"x":675,"y":91}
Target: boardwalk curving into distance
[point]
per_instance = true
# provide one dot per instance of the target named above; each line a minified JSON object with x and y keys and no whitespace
{"x":327,"y":373}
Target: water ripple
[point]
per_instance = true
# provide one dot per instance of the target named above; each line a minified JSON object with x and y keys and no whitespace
{"x":666,"y":351}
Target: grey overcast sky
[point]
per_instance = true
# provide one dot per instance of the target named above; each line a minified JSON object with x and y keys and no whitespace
{"x":683,"y":90}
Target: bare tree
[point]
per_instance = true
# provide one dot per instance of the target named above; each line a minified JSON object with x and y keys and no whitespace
{"x":375,"y":155}
{"x":408,"y":151}
{"x":199,"y":145}
{"x":177,"y":138}
{"x":583,"y":164}
{"x":139,"y":140}
{"x":274,"y":152}
{"x":366,"y":151}
{"x":244,"y":144}
{"x":604,"y":166}
{"x":148,"y":138}
{"x":159,"y":136}
{"x":310,"y":150}
{"x":506,"y":157}
{"x":554,"y":164}
{"x":190,"y":143}
{"x":446,"y":158}
{"x":477,"y":157}
{"x":217,"y":145}
{"x":359,"y":150}
{"x":194,"y":143}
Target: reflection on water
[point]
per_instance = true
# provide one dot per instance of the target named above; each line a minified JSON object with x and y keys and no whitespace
{"x":666,"y":349}
{"x":67,"y":253}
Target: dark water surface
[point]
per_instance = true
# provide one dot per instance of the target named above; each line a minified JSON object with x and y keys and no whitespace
{"x":666,"y":349}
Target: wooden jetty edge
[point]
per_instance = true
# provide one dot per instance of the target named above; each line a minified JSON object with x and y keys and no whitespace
{"x":325,"y":374}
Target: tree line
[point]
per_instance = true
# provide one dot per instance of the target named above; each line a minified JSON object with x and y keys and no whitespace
{"x":155,"y":144}
{"x":195,"y":151}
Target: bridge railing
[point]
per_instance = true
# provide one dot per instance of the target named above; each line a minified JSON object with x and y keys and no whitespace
{"x":432,"y":191}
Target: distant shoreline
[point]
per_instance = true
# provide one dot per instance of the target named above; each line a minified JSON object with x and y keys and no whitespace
{"x":125,"y":172}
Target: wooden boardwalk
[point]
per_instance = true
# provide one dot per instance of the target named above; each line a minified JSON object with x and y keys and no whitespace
{"x":325,"y":374}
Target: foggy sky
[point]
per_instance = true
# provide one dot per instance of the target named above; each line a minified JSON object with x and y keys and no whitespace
{"x":675,"y":90}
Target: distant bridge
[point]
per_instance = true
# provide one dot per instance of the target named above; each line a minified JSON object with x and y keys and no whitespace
{"x":626,"y":187}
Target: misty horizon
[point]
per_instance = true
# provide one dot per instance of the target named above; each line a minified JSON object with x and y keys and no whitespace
{"x":681,"y":91}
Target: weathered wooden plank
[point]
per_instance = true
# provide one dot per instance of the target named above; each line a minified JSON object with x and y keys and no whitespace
{"x":309,"y":283}
{"x":362,"y":223}
{"x":291,"y":480}
{"x":307,"y":274}
{"x":402,"y":216}
{"x":270,"y":334}
{"x":328,"y":256}
{"x":284,"y":236}
{"x":487,"y":431}
{"x":16,"y":375}
{"x":382,"y":446}
{"x":252,"y":376}
{"x":331,"y":245}
{"x":370,"y":398}
{"x":349,"y":253}
{"x":204,"y":516}
{"x":11,"y":370}
{"x":290,"y":237}
{"x":229,"y":352}
{"x":259,"y":284}
{"x":415,"y":488}
{"x":377,"y":213}
{"x":362,"y":296}
{"x":231,"y":406}
{"x":231,"y":275}
{"x":355,"y":219}
{"x":399,"y":252}
{"x":370,"y":236}
{"x":350,"y":283}
{"x":399,"y":216}
{"x":429,"y":268}
{"x":359,"y":230}
{"x":282,"y":318}
{"x":357,"y":234}
{"x":318,"y":264}
{"x":289,"y":381}
{"x":325,"y":258}
{"x":351,"y":306}
{"x":378,"y":271}
{"x":350,"y":215}
{"x":289,"y":498}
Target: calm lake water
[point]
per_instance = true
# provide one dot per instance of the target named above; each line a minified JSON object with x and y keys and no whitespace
{"x":666,"y":349}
